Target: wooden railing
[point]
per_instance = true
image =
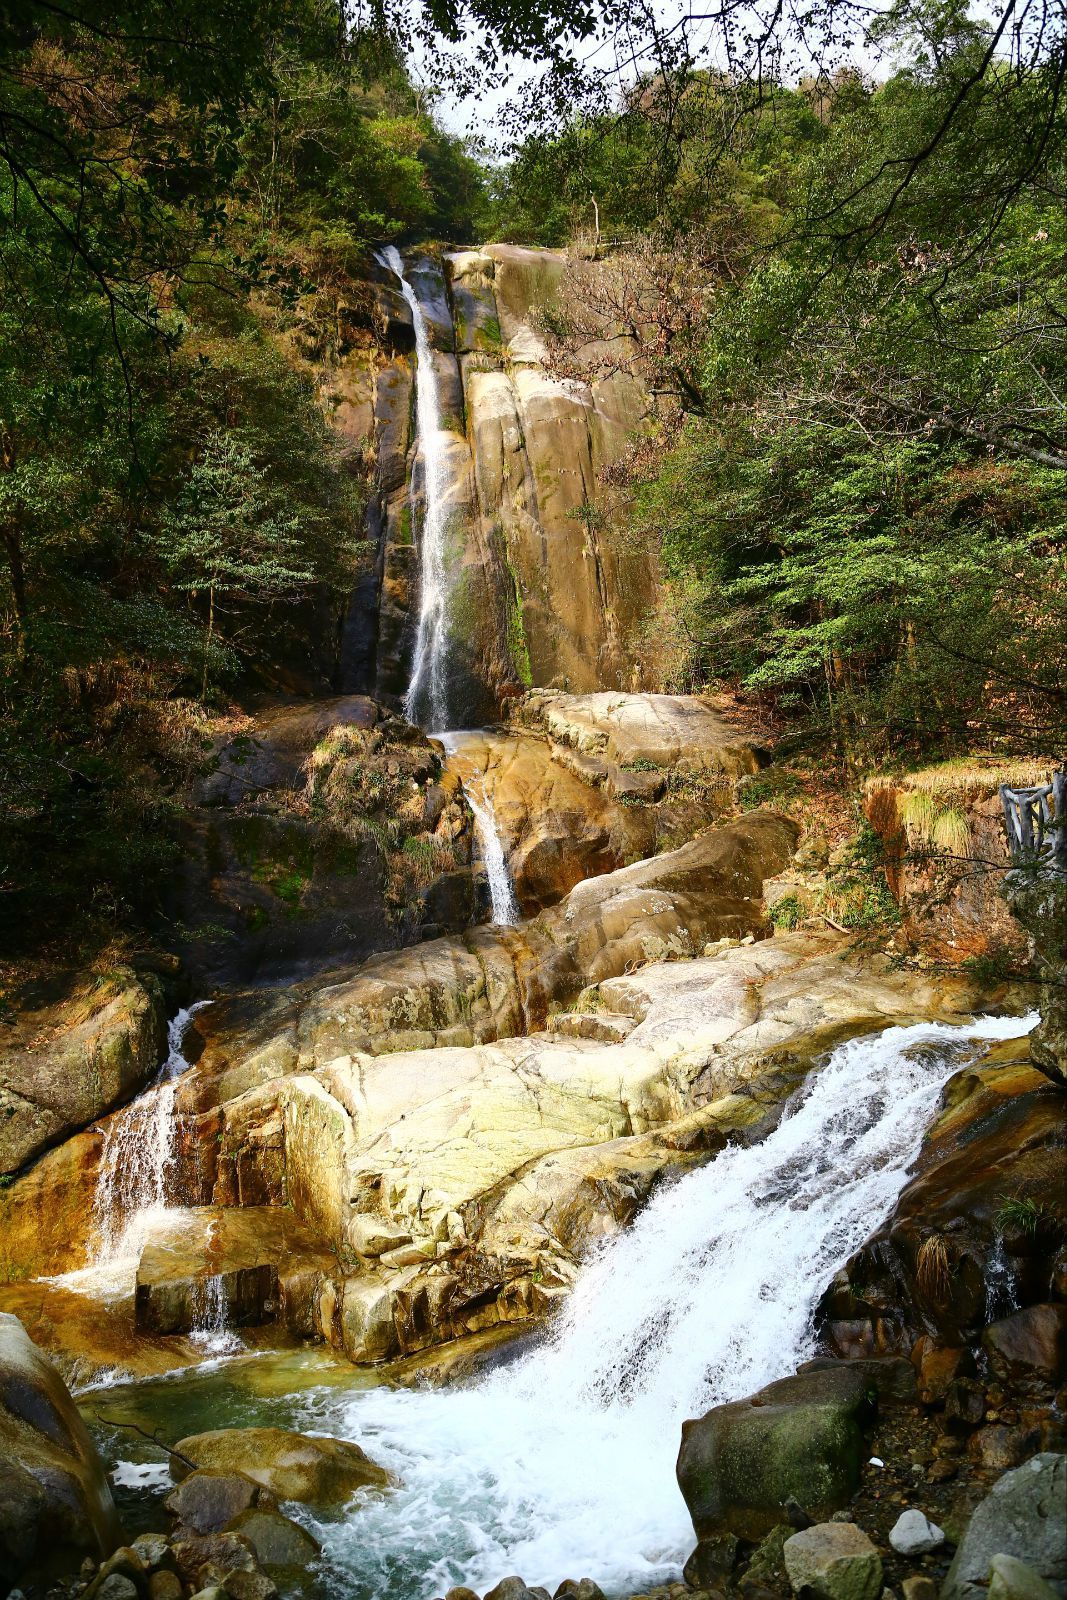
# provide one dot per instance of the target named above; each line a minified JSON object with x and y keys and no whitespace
{"x":1036,"y":823}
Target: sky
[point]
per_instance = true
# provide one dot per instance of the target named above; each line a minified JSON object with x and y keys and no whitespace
{"x":477,"y":115}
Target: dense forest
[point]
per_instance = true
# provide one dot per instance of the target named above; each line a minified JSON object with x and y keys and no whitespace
{"x":846,"y":291}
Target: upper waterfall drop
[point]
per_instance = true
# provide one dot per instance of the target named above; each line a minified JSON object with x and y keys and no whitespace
{"x":426,"y":700}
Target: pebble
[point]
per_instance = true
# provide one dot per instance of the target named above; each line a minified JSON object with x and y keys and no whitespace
{"x":913,"y":1534}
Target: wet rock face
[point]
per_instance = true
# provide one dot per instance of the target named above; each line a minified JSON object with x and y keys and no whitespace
{"x":54,"y":1495}
{"x":460,"y":1182}
{"x":244,"y":1266}
{"x":800,"y":1439}
{"x":46,"y":1214}
{"x":565,"y":813}
{"x":72,"y":1055}
{"x":540,"y":592}
{"x":975,"y":1233}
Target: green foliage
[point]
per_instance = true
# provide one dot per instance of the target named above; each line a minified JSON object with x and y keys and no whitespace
{"x":788,"y":912}
{"x":767,"y":788}
{"x":175,"y":519}
{"x":869,"y":524}
{"x":1021,"y":1214}
{"x":611,"y":167}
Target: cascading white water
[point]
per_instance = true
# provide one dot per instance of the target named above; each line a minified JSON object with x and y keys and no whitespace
{"x":504,"y":905}
{"x":211,"y":1319}
{"x":562,"y":1464}
{"x":137,"y":1161}
{"x":426,"y":701}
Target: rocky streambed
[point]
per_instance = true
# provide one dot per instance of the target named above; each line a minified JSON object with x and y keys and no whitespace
{"x":645,"y":1153}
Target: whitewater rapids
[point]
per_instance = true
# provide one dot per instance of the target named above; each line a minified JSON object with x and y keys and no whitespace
{"x":562,"y":1463}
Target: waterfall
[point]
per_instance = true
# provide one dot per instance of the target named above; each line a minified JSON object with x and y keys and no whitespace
{"x":426,"y":700}
{"x":211,"y":1318}
{"x":139,"y":1156}
{"x":562,"y":1464}
{"x":504,"y":905}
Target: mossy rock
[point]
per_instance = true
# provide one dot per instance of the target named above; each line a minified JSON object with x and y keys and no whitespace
{"x":799,"y":1439}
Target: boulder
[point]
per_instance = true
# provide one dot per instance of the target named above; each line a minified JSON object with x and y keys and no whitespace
{"x":207,"y":1500}
{"x":54,"y":1494}
{"x":203,"y":1557}
{"x":292,"y":1466}
{"x":1030,"y":1347}
{"x":665,"y":730}
{"x":1024,"y":1515}
{"x":166,"y":1585}
{"x":913,"y":1534}
{"x":834,"y":1561}
{"x":798,"y":1439}
{"x":74,"y":1050}
{"x":1012,"y":1579}
{"x":280,"y":1543}
{"x":241,"y":1585}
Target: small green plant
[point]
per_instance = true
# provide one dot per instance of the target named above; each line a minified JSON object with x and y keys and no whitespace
{"x":1020,"y":1214}
{"x":788,"y":912}
{"x":764,"y":788}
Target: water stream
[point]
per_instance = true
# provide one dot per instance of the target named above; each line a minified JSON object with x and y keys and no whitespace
{"x":562,"y":1464}
{"x":426,"y":700}
{"x":504,"y":905}
{"x":139,"y":1157}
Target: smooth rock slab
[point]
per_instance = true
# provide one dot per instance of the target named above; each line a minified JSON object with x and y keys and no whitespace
{"x":913,"y":1534}
{"x":1023,"y":1515}
{"x":834,"y":1560}
{"x":667,"y":729}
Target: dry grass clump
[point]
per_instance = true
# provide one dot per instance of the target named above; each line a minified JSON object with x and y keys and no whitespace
{"x":933,"y":1272}
{"x":929,"y":806}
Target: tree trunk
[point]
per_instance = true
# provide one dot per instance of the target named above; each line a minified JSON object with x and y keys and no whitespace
{"x":17,"y":579}
{"x":207,"y":638}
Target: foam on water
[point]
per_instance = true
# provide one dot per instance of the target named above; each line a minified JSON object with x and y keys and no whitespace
{"x":562,"y":1464}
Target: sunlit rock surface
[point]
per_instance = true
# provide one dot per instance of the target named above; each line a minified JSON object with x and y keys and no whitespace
{"x":73,"y":1052}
